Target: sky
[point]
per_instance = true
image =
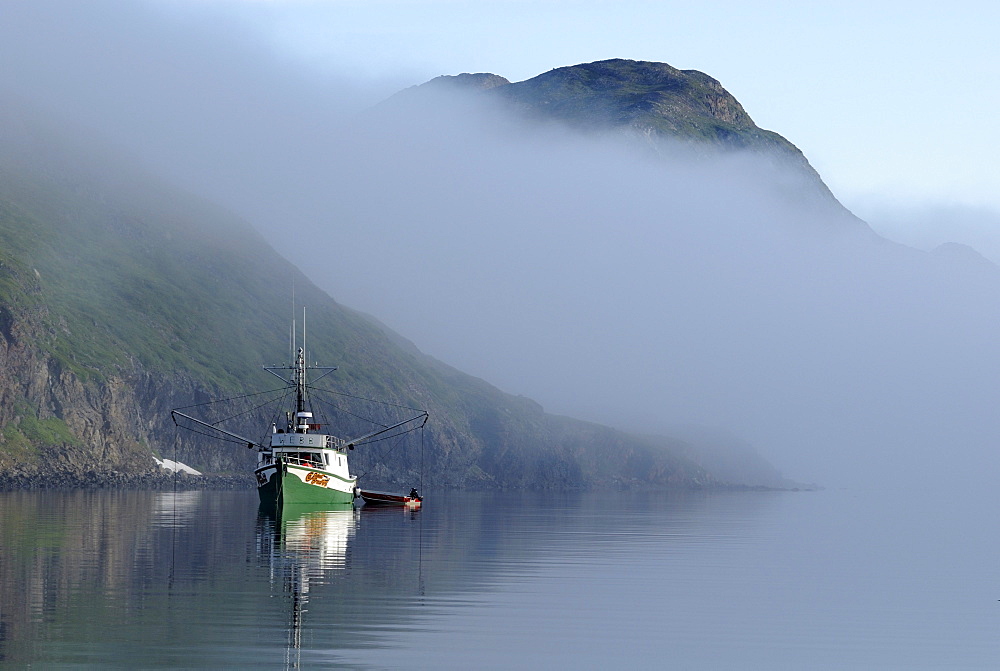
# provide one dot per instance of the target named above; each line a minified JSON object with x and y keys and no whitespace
{"x":605,"y":285}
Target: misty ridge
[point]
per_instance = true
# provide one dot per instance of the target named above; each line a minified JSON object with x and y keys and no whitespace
{"x":646,"y":285}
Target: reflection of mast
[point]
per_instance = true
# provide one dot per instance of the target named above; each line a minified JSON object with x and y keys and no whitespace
{"x":298,"y":585}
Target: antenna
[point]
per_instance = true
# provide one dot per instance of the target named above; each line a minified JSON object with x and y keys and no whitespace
{"x":304,"y":353}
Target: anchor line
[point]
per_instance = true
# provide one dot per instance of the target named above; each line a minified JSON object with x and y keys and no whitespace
{"x":173,"y":522}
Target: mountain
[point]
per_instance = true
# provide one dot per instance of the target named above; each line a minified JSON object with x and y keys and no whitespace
{"x":653,"y":103}
{"x":122,"y":297}
{"x":650,"y":98}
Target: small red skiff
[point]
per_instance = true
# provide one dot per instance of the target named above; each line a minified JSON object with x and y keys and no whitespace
{"x":411,"y":500}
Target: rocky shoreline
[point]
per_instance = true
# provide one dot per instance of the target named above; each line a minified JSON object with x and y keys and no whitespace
{"x":167,"y":481}
{"x":119,"y":480}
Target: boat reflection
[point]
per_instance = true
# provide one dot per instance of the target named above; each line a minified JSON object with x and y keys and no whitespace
{"x":406,"y":512}
{"x":300,"y":543}
{"x":320,"y":536}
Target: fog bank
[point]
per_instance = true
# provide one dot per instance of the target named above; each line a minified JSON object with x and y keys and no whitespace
{"x":650,"y":291}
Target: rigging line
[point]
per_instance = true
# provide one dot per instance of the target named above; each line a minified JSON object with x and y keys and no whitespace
{"x":421,"y":413}
{"x":390,"y":437}
{"x":249,"y":410}
{"x":348,"y":412}
{"x":362,"y":398}
{"x":213,"y":436}
{"x":345,"y":411}
{"x":382,"y":455}
{"x":232,"y":398}
{"x":274,"y":418}
{"x":337,"y":408}
{"x":317,"y":415}
{"x":323,"y":418}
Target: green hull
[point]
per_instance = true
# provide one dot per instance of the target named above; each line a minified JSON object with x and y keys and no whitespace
{"x":284,"y":488}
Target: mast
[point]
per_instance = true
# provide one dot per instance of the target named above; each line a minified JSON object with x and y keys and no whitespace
{"x":301,"y":419}
{"x":300,"y":382}
{"x":301,"y":423}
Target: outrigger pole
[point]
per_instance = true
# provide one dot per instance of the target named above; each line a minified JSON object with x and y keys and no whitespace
{"x":174,"y":414}
{"x":250,"y":443}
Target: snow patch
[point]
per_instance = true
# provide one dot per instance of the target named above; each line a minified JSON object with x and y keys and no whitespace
{"x":175,"y":466}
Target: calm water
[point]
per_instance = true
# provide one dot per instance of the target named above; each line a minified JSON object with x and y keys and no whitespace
{"x":833,"y":579}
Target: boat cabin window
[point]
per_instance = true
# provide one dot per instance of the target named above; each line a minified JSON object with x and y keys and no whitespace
{"x":305,"y":458}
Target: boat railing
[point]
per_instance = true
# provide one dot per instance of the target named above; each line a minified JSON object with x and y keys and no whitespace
{"x":312,"y":461}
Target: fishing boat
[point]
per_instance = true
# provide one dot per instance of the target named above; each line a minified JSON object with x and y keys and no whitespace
{"x":298,"y":462}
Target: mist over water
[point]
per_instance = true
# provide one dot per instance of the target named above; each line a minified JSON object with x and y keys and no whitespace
{"x":608,"y":281}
